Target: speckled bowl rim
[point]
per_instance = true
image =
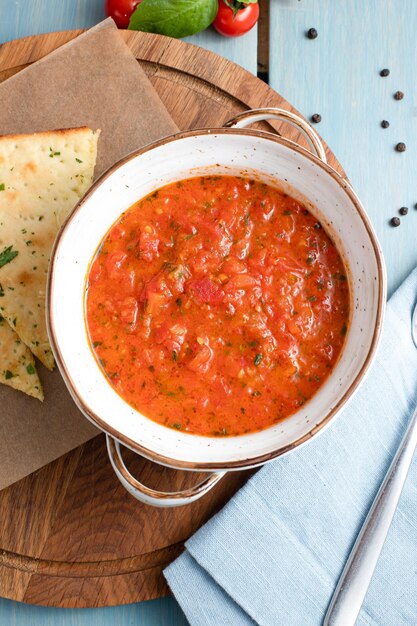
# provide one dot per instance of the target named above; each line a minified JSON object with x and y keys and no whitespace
{"x":248,"y":461}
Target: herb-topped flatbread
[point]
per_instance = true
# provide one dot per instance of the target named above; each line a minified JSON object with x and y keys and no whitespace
{"x":42,"y":177}
{"x":17,"y":365}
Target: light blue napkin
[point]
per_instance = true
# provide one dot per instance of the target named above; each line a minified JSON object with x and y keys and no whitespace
{"x":273,"y":555}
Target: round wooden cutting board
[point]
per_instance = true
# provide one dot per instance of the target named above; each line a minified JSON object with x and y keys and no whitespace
{"x":70,"y":535}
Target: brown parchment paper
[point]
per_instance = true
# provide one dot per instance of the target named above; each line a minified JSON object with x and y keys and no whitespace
{"x":92,"y":81}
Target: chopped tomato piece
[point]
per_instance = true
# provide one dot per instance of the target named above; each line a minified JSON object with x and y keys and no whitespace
{"x":114,"y":263}
{"x":129,"y":311}
{"x":233,"y":266}
{"x":201,"y":361}
{"x":155,"y":302}
{"x":242,"y":281}
{"x":172,"y":336}
{"x":206,"y":291}
{"x":148,"y":243}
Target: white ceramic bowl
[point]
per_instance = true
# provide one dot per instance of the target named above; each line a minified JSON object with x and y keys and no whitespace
{"x":217,"y":151}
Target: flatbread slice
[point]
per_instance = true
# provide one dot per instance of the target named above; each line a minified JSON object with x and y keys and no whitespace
{"x":42,"y":177}
{"x":17,"y":365}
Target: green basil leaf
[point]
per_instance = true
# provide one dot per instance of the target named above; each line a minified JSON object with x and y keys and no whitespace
{"x":174,"y":18}
{"x":7,"y":255}
{"x":237,"y":6}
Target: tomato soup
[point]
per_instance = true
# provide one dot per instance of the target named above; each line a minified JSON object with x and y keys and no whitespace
{"x":217,"y":305}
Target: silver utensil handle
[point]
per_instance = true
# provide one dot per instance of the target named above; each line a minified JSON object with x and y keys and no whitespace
{"x":350,"y":592}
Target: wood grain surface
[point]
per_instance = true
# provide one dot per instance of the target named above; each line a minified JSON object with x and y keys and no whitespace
{"x":70,"y":535}
{"x":22,"y":18}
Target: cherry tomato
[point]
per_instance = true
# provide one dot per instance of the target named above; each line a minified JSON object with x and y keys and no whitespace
{"x":121,"y":11}
{"x":230,"y":25}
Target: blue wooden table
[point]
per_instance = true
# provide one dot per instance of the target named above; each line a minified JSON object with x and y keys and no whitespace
{"x":336,"y":75}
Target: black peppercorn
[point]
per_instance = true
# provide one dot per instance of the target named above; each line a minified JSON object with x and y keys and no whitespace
{"x":312,"y":33}
{"x":401,"y":147}
{"x":384,"y":73}
{"x":384,"y":124}
{"x":398,"y":95}
{"x":395,"y":221}
{"x":317,"y":225}
{"x":316,"y":118}
{"x":403,"y":210}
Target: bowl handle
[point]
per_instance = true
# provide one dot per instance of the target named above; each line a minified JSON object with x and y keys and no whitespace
{"x":151,"y":496}
{"x":259,"y":115}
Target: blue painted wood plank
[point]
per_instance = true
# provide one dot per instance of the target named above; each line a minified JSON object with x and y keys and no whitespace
{"x":162,"y":612}
{"x":21,"y":18}
{"x":337,"y":75}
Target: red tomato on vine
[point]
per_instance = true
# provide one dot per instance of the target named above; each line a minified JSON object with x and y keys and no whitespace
{"x":236,"y":18}
{"x":121,"y":11}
